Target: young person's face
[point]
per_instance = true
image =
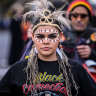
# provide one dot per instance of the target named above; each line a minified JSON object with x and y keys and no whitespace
{"x":46,"y":40}
{"x":79,"y":18}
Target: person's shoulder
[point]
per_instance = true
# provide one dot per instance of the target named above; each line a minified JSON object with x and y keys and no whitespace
{"x":20,"y":64}
{"x":74,"y":63}
{"x":92,"y":29}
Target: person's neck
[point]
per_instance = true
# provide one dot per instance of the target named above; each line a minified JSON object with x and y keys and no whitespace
{"x":79,"y":33}
{"x":48,"y":58}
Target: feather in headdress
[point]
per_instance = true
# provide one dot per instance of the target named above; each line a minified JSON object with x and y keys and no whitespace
{"x":41,"y":11}
{"x":40,"y":4}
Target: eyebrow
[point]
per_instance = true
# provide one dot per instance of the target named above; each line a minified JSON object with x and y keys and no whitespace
{"x":54,"y":34}
{"x":48,"y":34}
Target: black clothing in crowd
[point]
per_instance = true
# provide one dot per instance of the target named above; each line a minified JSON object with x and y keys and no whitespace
{"x":52,"y":82}
{"x":73,"y":39}
{"x":17,"y":41}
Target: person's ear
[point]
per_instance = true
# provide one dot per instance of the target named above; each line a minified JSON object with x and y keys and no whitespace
{"x":62,"y":37}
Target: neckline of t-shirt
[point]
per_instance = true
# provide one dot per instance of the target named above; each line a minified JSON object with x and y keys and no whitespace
{"x":47,"y":61}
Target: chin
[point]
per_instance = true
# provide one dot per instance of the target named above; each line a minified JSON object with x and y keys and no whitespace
{"x":79,"y":29}
{"x":46,"y":53}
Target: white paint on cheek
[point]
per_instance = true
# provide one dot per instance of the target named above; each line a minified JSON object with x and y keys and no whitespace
{"x":41,"y":41}
{"x":51,"y":40}
{"x":46,"y":39}
{"x":57,"y":38}
{"x":38,"y":40}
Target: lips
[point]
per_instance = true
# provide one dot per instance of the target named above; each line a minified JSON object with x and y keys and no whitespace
{"x":46,"y":48}
{"x":79,"y":24}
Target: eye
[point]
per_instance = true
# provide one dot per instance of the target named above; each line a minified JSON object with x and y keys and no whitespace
{"x":40,"y":36}
{"x":52,"y":36}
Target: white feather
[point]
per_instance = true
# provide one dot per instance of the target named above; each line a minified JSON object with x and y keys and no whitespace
{"x":63,"y":21}
{"x":40,"y":6}
{"x":32,"y":13}
{"x":55,"y":14}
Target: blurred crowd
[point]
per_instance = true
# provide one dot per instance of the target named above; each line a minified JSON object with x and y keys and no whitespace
{"x":15,"y":35}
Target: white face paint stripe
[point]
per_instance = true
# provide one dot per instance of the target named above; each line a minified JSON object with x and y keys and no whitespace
{"x":49,"y":40}
{"x":41,"y":41}
{"x":56,"y":31}
{"x":47,"y":30}
{"x":46,"y":39}
{"x":38,"y":40}
{"x":57,"y":38}
{"x":51,"y":30}
{"x":42,"y":30}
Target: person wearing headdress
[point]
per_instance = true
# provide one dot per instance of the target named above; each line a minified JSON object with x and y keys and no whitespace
{"x":47,"y":71}
{"x":80,"y":43}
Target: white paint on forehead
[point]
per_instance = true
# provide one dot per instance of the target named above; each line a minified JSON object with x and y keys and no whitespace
{"x":47,"y":30}
{"x":56,"y":31}
{"x":42,"y":30}
{"x":51,"y":30}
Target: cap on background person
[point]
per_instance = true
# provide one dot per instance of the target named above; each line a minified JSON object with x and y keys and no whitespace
{"x":83,"y":3}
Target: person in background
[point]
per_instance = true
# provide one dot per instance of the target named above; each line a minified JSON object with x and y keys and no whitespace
{"x":46,"y":72}
{"x":93,"y":4}
{"x":17,"y":43}
{"x":80,"y":43}
{"x":28,"y":46}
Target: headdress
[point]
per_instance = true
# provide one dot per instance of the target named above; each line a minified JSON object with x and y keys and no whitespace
{"x":43,"y":15}
{"x":84,"y":3}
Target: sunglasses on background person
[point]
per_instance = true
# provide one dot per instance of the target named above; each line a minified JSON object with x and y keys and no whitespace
{"x":83,"y":16}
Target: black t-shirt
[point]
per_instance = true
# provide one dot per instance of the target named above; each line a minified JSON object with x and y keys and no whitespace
{"x":52,"y":82}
